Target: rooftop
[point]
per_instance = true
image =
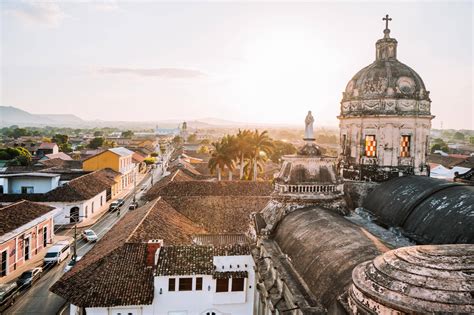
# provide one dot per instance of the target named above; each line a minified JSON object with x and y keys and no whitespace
{"x":194,"y":259}
{"x":20,"y":213}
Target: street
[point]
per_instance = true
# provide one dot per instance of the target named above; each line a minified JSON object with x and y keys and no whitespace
{"x":38,"y":299}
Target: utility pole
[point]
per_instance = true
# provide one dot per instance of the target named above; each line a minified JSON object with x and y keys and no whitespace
{"x":76,"y":219}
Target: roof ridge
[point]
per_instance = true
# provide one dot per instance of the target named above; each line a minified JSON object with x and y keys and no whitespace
{"x":143,"y":219}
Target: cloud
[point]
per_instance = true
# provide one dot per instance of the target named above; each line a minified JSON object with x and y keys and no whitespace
{"x":37,"y":12}
{"x":171,"y":73}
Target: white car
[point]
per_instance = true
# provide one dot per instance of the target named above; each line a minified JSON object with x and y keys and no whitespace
{"x":71,"y":263}
{"x":89,"y":236}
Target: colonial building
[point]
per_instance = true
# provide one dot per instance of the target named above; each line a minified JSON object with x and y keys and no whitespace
{"x":78,"y":199}
{"x":118,"y":159}
{"x":149,"y":263}
{"x":385,"y":118}
{"x":25,"y":229}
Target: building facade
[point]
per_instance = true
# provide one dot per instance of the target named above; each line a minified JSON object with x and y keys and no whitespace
{"x":25,"y":229}
{"x":385,"y":119}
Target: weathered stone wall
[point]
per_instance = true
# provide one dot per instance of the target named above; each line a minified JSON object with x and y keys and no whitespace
{"x":355,"y":192}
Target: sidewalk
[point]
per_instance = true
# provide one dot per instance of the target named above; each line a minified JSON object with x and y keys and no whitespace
{"x":35,"y":261}
{"x":123,"y":194}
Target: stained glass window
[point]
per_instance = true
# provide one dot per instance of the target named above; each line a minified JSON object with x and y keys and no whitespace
{"x":405,"y":146}
{"x":370,"y":146}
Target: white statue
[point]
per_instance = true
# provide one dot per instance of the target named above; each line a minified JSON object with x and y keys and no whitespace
{"x":308,"y":130}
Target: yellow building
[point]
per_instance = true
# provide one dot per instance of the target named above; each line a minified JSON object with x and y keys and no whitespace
{"x":119,"y":159}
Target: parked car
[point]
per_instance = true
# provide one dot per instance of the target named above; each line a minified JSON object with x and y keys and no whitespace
{"x":121,"y":202}
{"x":28,"y":277}
{"x":133,"y":206}
{"x":8,"y":294}
{"x":114,"y":206}
{"x":89,"y":236}
{"x":71,"y":263}
{"x":57,"y":253}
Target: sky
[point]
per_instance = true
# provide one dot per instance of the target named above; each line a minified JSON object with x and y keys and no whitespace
{"x":265,"y":62}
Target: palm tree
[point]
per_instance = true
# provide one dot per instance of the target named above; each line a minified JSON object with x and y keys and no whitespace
{"x":260,"y":144}
{"x":243,"y":148}
{"x":231,"y":149}
{"x":220,"y":158}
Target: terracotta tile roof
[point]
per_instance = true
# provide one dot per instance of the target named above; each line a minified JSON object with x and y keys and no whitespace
{"x":59,"y":155}
{"x":65,"y":164}
{"x":47,"y":145}
{"x":15,"y":215}
{"x":137,"y":157}
{"x":205,"y":188}
{"x":164,"y":222}
{"x":446,"y":161}
{"x":220,"y":239}
{"x":119,"y":278}
{"x":219,"y":214}
{"x":230,"y":274}
{"x":114,"y":272}
{"x":194,"y":259}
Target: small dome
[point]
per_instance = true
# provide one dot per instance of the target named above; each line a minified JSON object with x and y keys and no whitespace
{"x":415,"y":280}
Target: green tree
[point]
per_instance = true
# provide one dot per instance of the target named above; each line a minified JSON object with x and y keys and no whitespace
{"x":243,"y":139}
{"x":220,"y":158}
{"x":458,"y":136}
{"x":471,"y":139}
{"x":60,"y":139}
{"x":177,"y":140}
{"x":98,"y":133}
{"x":150,"y":160}
{"x":192,"y":138}
{"x":96,"y":142}
{"x":261,"y":145}
{"x":439,"y":144}
{"x":127,"y":134}
{"x":16,"y":156}
{"x":281,"y":148}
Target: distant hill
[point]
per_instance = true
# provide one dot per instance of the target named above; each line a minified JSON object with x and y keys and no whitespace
{"x":63,"y":119}
{"x":14,"y":116}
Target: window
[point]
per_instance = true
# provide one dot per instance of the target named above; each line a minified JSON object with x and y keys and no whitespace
{"x":27,"y":190}
{"x":92,"y":208}
{"x":171,"y":284}
{"x":238,"y":284}
{"x":198,"y":283}
{"x":405,"y":146}
{"x":101,"y":200}
{"x":370,"y":146}
{"x":185,"y":284}
{"x":222,"y":285}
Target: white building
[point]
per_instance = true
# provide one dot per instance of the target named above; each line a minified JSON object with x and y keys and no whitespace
{"x":28,"y":183}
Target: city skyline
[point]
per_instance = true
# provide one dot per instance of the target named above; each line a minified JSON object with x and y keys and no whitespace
{"x":244,"y":62}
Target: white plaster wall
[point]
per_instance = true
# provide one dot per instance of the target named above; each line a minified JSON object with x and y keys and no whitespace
{"x":199,"y":302}
{"x":40,"y":184}
{"x":388,"y":131}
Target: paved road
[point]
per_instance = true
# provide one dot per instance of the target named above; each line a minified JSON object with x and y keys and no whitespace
{"x":39,"y":300}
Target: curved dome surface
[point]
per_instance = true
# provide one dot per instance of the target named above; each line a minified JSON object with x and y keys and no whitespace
{"x":324,"y":249}
{"x":428,"y":210}
{"x":386,"y":87}
{"x":386,"y":79}
{"x":416,"y":280}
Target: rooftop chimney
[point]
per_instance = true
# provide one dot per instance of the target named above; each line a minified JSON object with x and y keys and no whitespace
{"x":152,"y":249}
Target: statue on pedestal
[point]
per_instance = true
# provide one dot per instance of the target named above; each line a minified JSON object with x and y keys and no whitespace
{"x":308,"y":131}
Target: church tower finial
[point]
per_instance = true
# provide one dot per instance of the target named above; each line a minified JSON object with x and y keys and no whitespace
{"x":386,"y":31}
{"x":386,"y":48}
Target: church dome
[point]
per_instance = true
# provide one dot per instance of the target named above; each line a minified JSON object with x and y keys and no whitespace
{"x":385,"y":87}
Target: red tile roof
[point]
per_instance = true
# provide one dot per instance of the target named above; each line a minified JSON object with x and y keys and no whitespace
{"x":15,"y":215}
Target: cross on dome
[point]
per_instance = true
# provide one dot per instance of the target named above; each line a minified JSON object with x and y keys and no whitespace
{"x":386,"y":19}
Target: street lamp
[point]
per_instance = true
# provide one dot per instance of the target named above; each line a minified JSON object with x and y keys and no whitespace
{"x":75,"y":218}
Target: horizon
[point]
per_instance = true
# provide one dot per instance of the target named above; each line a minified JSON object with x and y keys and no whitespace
{"x":264,"y":64}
